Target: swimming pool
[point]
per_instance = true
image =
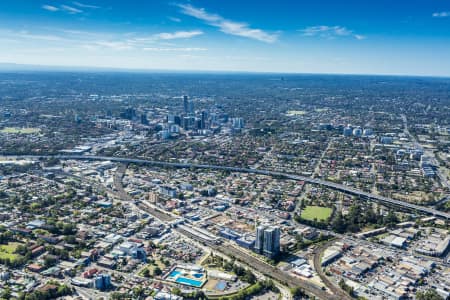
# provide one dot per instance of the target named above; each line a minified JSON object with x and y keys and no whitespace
{"x":188,"y":281}
{"x":221,"y":285}
{"x":191,"y":279}
{"x":174,"y":273}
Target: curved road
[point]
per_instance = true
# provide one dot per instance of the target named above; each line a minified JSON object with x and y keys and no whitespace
{"x":332,"y":185}
{"x":318,"y":267}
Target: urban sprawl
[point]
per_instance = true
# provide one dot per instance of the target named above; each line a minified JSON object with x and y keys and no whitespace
{"x":192,"y":186}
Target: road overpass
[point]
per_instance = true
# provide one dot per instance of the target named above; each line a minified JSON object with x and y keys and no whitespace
{"x":329,"y":184}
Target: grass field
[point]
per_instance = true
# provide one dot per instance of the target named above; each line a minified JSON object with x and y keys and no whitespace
{"x":7,"y":251}
{"x":318,"y":212}
{"x":20,"y":130}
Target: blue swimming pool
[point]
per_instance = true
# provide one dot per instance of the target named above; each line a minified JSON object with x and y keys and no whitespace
{"x":197,"y":275}
{"x":174,"y":273}
{"x":221,"y":285}
{"x":188,"y":281}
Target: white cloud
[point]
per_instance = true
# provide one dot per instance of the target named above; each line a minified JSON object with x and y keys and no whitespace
{"x":70,"y":9}
{"x":115,"y":45}
{"x":82,"y":5}
{"x":178,"y":35}
{"x":442,"y":14}
{"x":44,"y":37}
{"x":228,"y":26}
{"x":177,"y":20}
{"x":330,"y":32}
{"x":80,"y":32}
{"x":99,"y":41}
{"x":174,"y":49}
{"x":50,"y":7}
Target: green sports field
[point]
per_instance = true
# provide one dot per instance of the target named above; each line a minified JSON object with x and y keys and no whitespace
{"x":19,"y":130}
{"x":316,"y":212}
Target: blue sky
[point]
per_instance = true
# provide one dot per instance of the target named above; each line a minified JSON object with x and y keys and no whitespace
{"x":359,"y":37}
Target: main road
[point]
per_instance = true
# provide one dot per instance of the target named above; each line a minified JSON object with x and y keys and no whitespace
{"x":329,"y":184}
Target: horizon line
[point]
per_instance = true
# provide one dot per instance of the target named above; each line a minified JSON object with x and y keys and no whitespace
{"x":88,"y":69}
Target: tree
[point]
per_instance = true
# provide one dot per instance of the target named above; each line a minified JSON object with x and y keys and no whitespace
{"x":371,"y":216}
{"x":6,"y":294}
{"x":297,"y":292}
{"x":391,"y":219}
{"x":354,"y":215}
{"x":146,"y":272}
{"x":346,"y":287}
{"x":50,"y":261}
{"x":300,"y":243}
{"x":157,"y":271}
{"x":118,"y":296}
{"x":429,"y":294}
{"x":270,"y":285}
{"x":64,"y":290}
{"x":138,"y":292}
{"x":21,"y":249}
{"x":338,"y":223}
{"x":198,"y":295}
{"x":249,"y":277}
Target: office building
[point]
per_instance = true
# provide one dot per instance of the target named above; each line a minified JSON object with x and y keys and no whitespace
{"x":153,"y":197}
{"x":189,"y":123}
{"x":186,"y":104}
{"x":237,"y":123}
{"x":171,"y":119}
{"x":367,"y":132}
{"x":271,"y":241}
{"x":102,"y":281}
{"x":177,"y":120}
{"x":174,"y":129}
{"x":386,"y":140}
{"x":129,"y":114}
{"x":267,"y":240}
{"x":186,"y":121}
{"x":191,"y":107}
{"x":165,"y":134}
{"x":259,"y":241}
{"x":348,"y":131}
{"x":204,"y":119}
{"x":198,"y":123}
{"x":357,"y":132}
{"x":144,"y":120}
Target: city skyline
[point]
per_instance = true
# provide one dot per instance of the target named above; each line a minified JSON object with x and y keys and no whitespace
{"x":323,"y":37}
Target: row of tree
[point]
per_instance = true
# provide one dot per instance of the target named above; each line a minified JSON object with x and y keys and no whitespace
{"x":359,"y":217}
{"x":252,"y":290}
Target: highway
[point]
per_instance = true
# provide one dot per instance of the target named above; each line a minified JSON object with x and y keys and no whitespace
{"x":336,"y":186}
{"x":443,"y":200}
